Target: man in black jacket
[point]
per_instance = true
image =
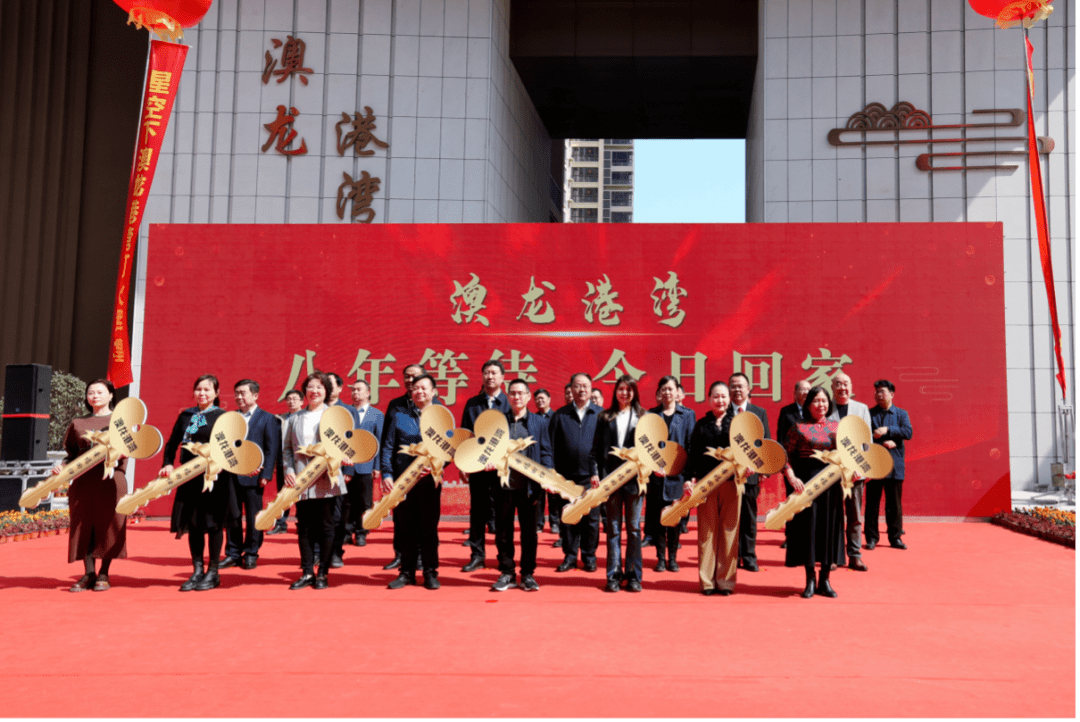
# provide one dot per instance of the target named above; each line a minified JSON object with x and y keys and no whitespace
{"x":481,"y":489}
{"x":789,"y":416}
{"x":523,"y":494}
{"x":572,"y":429}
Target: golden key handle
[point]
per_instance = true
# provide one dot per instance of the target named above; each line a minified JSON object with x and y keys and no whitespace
{"x":82,"y":463}
{"x":288,"y":495}
{"x":374,"y":516}
{"x":160,"y":487}
{"x":674,"y":513}
{"x":795,"y":503}
{"x":572,"y":513}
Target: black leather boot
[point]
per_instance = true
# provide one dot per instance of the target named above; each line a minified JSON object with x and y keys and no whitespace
{"x":672,"y":565}
{"x":809,"y":591}
{"x":194,"y":579}
{"x":210,"y":580}
{"x":824,"y":589}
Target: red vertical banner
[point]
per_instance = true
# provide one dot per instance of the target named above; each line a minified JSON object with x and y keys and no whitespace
{"x":162,"y":81}
{"x":1041,"y":225}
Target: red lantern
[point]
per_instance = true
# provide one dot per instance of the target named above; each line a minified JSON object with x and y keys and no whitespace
{"x":1010,"y":12}
{"x":165,"y":18}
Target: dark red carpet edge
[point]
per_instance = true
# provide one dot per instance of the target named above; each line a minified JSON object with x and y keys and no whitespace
{"x":972,"y":621}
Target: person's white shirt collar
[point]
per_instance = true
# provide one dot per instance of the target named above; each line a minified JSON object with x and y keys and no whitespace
{"x":247,"y":415}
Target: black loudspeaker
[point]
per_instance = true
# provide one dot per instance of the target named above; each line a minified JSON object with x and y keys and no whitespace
{"x":27,"y":396}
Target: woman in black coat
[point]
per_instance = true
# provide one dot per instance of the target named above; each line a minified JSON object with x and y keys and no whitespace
{"x":201,"y":515}
{"x":664,"y":490}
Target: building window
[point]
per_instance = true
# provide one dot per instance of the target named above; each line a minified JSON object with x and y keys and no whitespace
{"x":622,"y":198}
{"x":618,"y":141}
{"x":622,"y":217}
{"x":584,"y":195}
{"x":622,"y":178}
{"x":591,"y":155}
{"x":583,"y":215}
{"x":622,"y":157}
{"x":585,"y":175}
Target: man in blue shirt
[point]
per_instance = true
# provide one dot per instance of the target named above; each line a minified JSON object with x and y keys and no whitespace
{"x":891,"y":429}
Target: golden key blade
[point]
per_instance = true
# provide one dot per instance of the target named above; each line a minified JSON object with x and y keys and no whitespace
{"x":573,"y":512}
{"x":673,"y":514}
{"x":781,"y":515}
{"x":160,"y":487}
{"x":549,"y":479}
{"x":338,"y":442}
{"x":91,"y":457}
{"x":374,"y":516}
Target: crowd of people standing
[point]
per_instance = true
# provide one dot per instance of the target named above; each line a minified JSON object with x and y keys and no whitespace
{"x":574,"y":440}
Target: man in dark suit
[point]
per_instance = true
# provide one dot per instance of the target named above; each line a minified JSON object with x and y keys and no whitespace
{"x":399,"y":405}
{"x":359,"y":498}
{"x":481,"y":484}
{"x":294,"y":401}
{"x":264,"y":429}
{"x":892,"y":428}
{"x":523,"y":494}
{"x":572,"y":429}
{"x":739,"y":386}
{"x":543,"y":408}
{"x":789,"y":416}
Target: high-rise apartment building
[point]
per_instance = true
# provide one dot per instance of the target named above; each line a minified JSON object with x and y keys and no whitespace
{"x":599,"y":185}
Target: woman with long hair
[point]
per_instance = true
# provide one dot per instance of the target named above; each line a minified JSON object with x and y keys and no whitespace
{"x":97,"y":531}
{"x":665,"y":489}
{"x":614,"y":429}
{"x":203,"y":516}
{"x":813,"y":535}
{"x":315,"y":524}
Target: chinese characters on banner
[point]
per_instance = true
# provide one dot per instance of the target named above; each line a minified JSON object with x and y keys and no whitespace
{"x":162,"y":81}
{"x":354,"y":131}
{"x":647,"y":301}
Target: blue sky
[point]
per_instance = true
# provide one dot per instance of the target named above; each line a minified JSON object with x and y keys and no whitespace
{"x":689,"y":181}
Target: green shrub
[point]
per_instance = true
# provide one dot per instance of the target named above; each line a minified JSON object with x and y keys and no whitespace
{"x":68,"y":397}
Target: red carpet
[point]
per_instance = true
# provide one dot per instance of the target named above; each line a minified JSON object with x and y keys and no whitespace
{"x":972,"y":621}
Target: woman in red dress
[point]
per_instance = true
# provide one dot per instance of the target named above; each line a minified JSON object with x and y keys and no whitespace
{"x":97,"y":531}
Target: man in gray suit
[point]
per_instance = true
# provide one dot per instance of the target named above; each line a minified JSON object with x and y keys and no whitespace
{"x":845,"y":406}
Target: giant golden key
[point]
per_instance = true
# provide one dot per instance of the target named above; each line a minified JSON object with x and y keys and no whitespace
{"x":126,"y":435}
{"x":652,"y":453}
{"x":438,"y":442}
{"x":855,"y":454}
{"x":338,"y":442}
{"x":226,"y":451}
{"x":493,"y":446}
{"x":750,"y":453}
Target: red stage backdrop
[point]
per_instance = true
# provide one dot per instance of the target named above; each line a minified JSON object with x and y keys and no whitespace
{"x":919,"y":304}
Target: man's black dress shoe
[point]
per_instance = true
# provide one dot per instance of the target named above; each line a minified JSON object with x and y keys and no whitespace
{"x":249,"y":562}
{"x":229,"y":562}
{"x":557,"y":544}
{"x":307,"y":579}
{"x":336,"y":562}
{"x":661,"y":566}
{"x":210,"y":580}
{"x":633,"y":586}
{"x":402,"y":580}
{"x":568,"y":564}
{"x":394,"y":563}
{"x":589,"y":566}
{"x":898,"y":544}
{"x":724,"y":592}
{"x":612,"y":585}
{"x":869,"y":546}
{"x":321,"y":581}
{"x":672,"y":565}
{"x":474,"y":564}
{"x":359,"y":540}
{"x":750,"y":565}
{"x":431,"y":580}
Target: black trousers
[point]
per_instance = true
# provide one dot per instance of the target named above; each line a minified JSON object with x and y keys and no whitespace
{"x":315,"y":521}
{"x":363,"y":500}
{"x":418,"y":517}
{"x":481,"y":509}
{"x":352,"y":511}
{"x":507,"y":501}
{"x":244,"y":540}
{"x":748,"y":524}
{"x":664,"y":537}
{"x":894,"y":511}
{"x":541,"y":502}
{"x":583,"y":536}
